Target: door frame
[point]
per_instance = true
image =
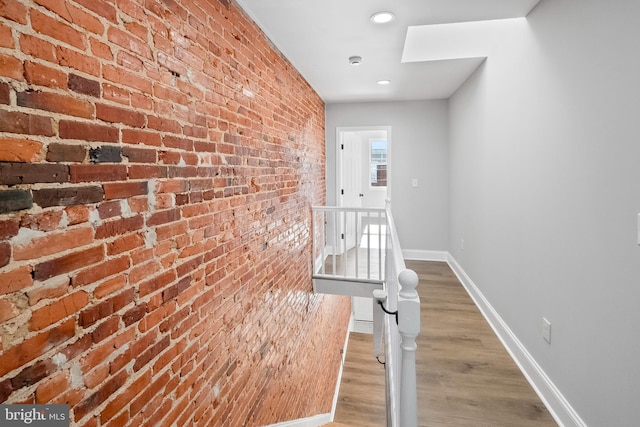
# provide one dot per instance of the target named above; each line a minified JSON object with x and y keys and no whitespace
{"x":338,"y":176}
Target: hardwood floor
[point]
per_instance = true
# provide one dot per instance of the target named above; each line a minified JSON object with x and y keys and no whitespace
{"x":465,"y":376}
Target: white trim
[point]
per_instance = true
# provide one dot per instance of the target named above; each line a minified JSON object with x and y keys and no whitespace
{"x":334,"y":405}
{"x":315,"y":421}
{"x":363,"y":326}
{"x":422,"y":255}
{"x":556,"y":403}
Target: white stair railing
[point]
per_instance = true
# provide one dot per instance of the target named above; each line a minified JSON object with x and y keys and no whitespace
{"x":396,"y":294}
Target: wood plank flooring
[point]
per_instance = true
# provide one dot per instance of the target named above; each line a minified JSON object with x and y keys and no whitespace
{"x":465,"y":376}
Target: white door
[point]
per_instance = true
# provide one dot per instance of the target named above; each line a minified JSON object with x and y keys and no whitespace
{"x":350,"y":153}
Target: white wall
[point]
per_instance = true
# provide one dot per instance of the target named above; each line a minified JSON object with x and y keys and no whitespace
{"x":418,"y":150}
{"x":545,"y":192}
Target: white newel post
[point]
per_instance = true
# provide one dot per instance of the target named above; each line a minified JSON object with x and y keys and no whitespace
{"x":409,"y":327}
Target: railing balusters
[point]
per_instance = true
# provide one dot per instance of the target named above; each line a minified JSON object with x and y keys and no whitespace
{"x":335,"y":242}
{"x":400,"y":286}
{"x":357,"y":245}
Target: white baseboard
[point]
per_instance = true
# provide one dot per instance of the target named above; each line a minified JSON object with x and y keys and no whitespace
{"x":363,"y":326}
{"x":315,"y":421}
{"x":421,"y":255}
{"x":344,"y":355}
{"x":558,"y":406}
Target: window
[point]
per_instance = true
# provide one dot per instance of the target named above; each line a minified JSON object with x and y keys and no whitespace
{"x":378,"y":162}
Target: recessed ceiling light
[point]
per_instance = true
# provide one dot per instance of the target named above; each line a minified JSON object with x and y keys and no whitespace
{"x":384,"y":82}
{"x":355,"y":60}
{"x":382,"y":17}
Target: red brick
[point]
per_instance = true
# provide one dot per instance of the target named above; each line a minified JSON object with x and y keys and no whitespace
{"x":78,"y":61}
{"x":161,"y":92}
{"x":109,"y":286}
{"x":125,"y":244}
{"x":87,"y":131}
{"x":20,"y":150}
{"x":163,"y":124}
{"x":97,"y":173}
{"x":56,"y":103}
{"x":120,"y":226}
{"x":52,"y":387}
{"x":43,"y":221}
{"x":53,"y":243}
{"x":38,"y":48}
{"x":101,"y":50}
{"x":106,"y":329}
{"x":156,"y":283}
{"x":94,"y":378}
{"x":123,"y":190}
{"x":6,"y":36}
{"x":141,"y":101}
{"x":106,"y":308}
{"x":129,"y":42}
{"x":54,"y":291}
{"x":85,"y":86}
{"x":5,"y":253}
{"x":48,"y":197}
{"x":11,"y":67}
{"x":41,"y":75}
{"x":58,"y":30}
{"x":112,"y":114}
{"x":97,"y":355}
{"x":140,"y":155}
{"x":17,"y":122}
{"x":125,"y":397}
{"x":110,"y":209}
{"x":12,"y":173}
{"x":151,"y":353}
{"x":32,"y":374}
{"x":164,"y":217}
{"x":8,"y":310}
{"x":77,"y":214}
{"x":101,"y":8}
{"x":5,"y":93}
{"x":66,"y":153}
{"x":15,"y":280}
{"x":73,"y":15}
{"x":97,"y":398}
{"x":116,"y":94}
{"x":14,"y":11}
{"x":68,"y":263}
{"x":58,"y":310}
{"x":134,"y":136}
{"x":101,"y":271}
{"x":147,"y":171}
{"x":123,"y":77}
{"x":29,"y":349}
{"x":135,"y":314}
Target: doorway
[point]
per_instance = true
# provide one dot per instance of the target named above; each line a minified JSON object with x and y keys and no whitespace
{"x":363,"y":169}
{"x":363,"y":178}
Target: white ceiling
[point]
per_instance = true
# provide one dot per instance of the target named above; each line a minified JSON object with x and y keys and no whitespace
{"x":318,"y":37}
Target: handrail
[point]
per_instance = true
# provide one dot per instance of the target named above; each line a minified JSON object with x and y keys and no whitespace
{"x":398,"y":295}
{"x":400,"y":337}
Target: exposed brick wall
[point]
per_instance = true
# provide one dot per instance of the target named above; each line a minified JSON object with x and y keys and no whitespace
{"x":158,"y":161}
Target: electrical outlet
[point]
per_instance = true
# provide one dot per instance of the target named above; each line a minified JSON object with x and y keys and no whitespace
{"x":546,"y":330}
